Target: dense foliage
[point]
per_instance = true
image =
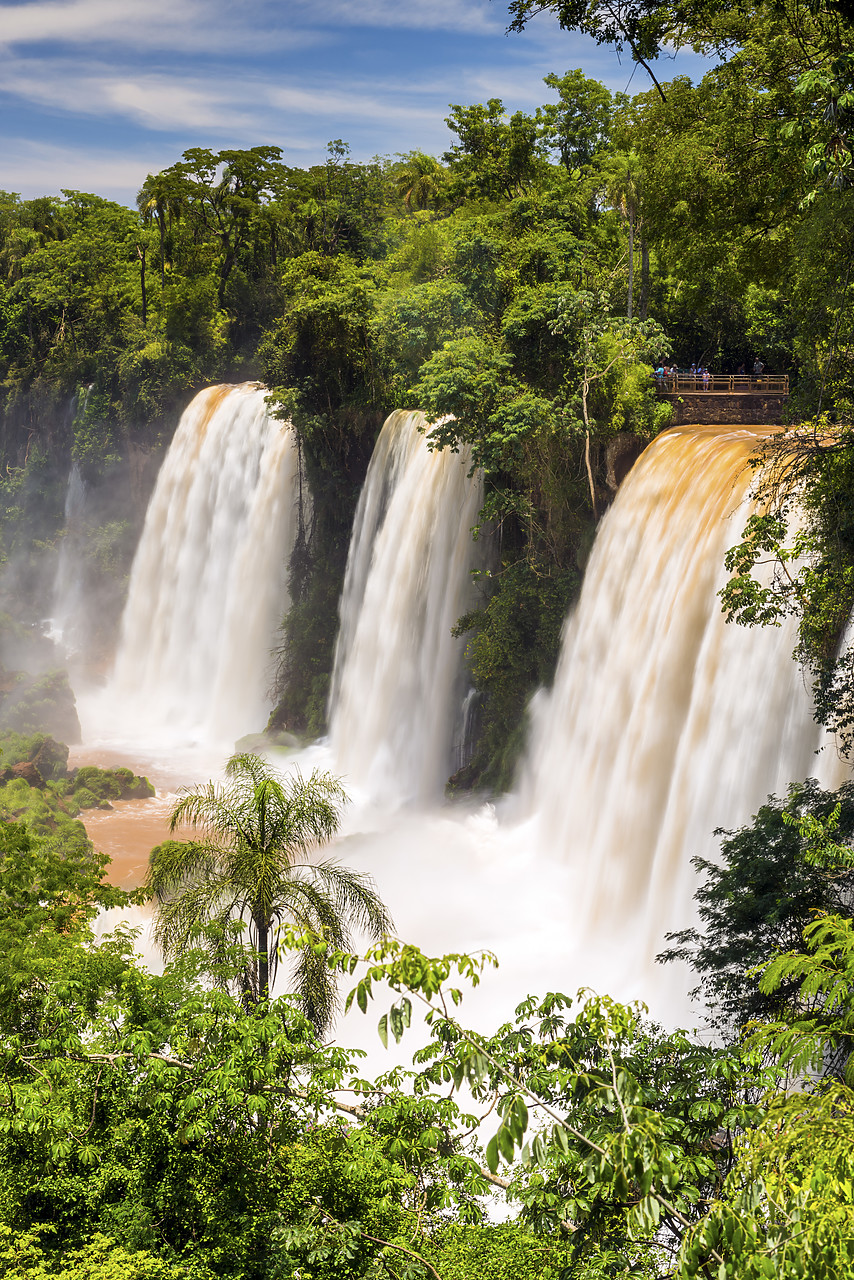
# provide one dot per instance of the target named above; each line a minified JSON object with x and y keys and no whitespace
{"x":759,"y":897}
{"x":158,"y":1127}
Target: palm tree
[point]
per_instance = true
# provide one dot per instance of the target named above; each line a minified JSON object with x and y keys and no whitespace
{"x":160,"y":201}
{"x":252,"y":864}
{"x":624,"y":193}
{"x":419,"y":180}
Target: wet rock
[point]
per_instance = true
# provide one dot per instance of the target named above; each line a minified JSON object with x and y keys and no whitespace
{"x":26,"y":770}
{"x":254,"y":742}
{"x":621,"y":454}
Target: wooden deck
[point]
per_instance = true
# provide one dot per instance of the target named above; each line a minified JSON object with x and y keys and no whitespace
{"x":769,"y":384}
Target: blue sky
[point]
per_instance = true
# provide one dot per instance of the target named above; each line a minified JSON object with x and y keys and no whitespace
{"x":95,"y":94}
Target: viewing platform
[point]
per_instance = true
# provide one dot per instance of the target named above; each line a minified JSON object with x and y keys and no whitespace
{"x":724,"y":397}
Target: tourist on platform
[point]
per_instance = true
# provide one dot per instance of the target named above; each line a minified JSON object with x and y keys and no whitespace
{"x":705,"y":378}
{"x":758,"y":368}
{"x":741,"y":368}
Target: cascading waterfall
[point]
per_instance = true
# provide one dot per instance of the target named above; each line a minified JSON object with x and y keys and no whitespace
{"x":664,"y":722}
{"x":68,"y":586}
{"x":208,"y":584}
{"x":397,"y":683}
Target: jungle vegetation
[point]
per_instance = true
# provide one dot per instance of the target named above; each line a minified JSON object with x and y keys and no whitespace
{"x":162,"y":1126}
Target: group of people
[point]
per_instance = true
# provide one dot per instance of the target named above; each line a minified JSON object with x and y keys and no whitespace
{"x":700,"y":374}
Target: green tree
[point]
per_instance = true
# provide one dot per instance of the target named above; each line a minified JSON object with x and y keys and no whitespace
{"x":252,"y":864}
{"x":578,"y":125}
{"x":160,"y":200}
{"x":624,"y":191}
{"x":656,"y":1154}
{"x":758,"y":898}
{"x":495,"y":157}
{"x":419,"y":181}
{"x":607,"y":343}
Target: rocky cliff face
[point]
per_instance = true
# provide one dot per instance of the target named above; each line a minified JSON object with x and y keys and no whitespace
{"x":723,"y":409}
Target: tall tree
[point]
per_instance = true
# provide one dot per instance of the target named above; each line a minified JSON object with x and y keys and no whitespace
{"x":624,"y":194}
{"x":578,"y":125}
{"x":419,"y":180}
{"x":252,"y":864}
{"x":160,"y":201}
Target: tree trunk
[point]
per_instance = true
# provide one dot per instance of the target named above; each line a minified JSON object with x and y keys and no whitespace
{"x":631,"y":264}
{"x":262,"y":943}
{"x":141,"y":255}
{"x":644,"y":289}
{"x":162,"y":231}
{"x":585,"y":386}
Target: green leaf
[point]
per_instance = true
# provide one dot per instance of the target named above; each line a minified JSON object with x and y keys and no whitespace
{"x":492,"y":1154}
{"x":505,"y":1143}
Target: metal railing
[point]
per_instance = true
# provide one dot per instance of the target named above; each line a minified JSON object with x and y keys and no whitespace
{"x":745,"y":383}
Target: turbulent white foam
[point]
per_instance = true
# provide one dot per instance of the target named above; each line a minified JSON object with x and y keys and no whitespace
{"x":396,"y":689}
{"x":208,"y":585}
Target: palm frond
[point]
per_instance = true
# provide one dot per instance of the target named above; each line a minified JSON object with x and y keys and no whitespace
{"x":216,"y":809}
{"x":315,"y":986}
{"x":304,"y":902}
{"x":178,"y":862}
{"x":355,"y":896}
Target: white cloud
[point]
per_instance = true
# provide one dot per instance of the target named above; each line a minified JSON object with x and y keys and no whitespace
{"x":476,"y":17}
{"x":38,"y":168}
{"x":191,"y":26}
{"x":196,"y":26}
{"x":175,"y":102}
{"x":349,"y":102}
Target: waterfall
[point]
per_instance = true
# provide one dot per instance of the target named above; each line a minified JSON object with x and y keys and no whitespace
{"x":68,"y":586}
{"x":664,"y":721}
{"x":208,"y":583}
{"x":397,"y":682}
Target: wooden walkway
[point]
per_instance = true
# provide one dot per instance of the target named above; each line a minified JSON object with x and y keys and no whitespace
{"x":769,"y":384}
{"x":724,"y":398}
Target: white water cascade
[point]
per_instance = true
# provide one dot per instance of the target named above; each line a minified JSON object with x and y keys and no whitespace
{"x":68,"y":586}
{"x":664,"y":722}
{"x":397,"y":683}
{"x":208,"y":584}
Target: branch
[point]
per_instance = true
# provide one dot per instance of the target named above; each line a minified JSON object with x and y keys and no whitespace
{"x":386,"y":1244}
{"x":113,"y":1058}
{"x":361,"y":1114}
{"x":622,"y":27}
{"x":538,"y":1101}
